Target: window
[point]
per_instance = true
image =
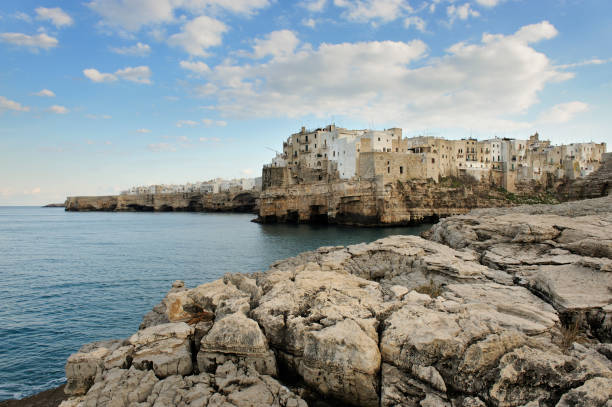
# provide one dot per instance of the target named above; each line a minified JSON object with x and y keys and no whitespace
{"x":379,"y":139}
{"x":307,"y":139}
{"x":396,"y":150}
{"x":315,"y":146}
{"x":433,"y":160}
{"x":401,"y":170}
{"x":388,"y":170}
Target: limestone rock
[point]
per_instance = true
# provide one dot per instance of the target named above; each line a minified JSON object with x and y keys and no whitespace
{"x":166,"y":349}
{"x":232,"y":337}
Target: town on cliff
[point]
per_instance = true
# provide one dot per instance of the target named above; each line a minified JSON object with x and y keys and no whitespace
{"x":379,"y":178}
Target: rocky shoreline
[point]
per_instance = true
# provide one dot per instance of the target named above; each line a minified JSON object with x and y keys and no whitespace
{"x":499,"y":307}
{"x":242,"y":202}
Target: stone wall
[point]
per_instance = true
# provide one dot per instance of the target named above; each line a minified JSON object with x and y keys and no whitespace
{"x":243,"y":201}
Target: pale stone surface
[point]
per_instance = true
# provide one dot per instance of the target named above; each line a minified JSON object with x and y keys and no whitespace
{"x":233,"y":337}
{"x":164,"y":348}
{"x":349,"y":325}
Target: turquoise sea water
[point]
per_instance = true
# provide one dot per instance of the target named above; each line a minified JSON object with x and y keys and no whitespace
{"x":70,"y":278}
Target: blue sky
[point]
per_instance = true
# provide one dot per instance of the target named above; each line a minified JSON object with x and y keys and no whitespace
{"x":100,"y":95}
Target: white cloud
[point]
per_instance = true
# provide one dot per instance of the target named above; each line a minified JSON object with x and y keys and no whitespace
{"x":536,"y":32}
{"x":143,"y":131}
{"x":309,"y":22}
{"x":488,"y":3}
{"x":563,"y":113}
{"x":22,"y":16}
{"x":186,"y":123}
{"x":7,"y":104}
{"x":594,"y":61}
{"x":462,"y":12}
{"x":247,"y":171}
{"x":277,"y":43}
{"x":197,"y":67}
{"x":34,"y":42}
{"x":138,"y":74}
{"x":161,"y":147}
{"x":416,"y":22}
{"x":137,"y":50}
{"x":97,"y":76}
{"x":57,"y":16}
{"x":57,"y":109}
{"x":473,"y":85}
{"x":198,"y":35}
{"x":45,"y":93}
{"x":314,"y":5}
{"x":367,"y":10}
{"x":132,"y":15}
{"x":211,"y":122}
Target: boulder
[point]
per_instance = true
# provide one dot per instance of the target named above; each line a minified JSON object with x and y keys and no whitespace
{"x":166,"y":349}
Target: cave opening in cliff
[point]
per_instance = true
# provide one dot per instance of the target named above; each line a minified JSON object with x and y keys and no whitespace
{"x":318,"y":215}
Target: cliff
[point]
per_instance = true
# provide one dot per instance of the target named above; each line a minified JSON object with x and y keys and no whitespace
{"x":244,"y":201}
{"x":370,"y":203}
{"x":499,"y":307}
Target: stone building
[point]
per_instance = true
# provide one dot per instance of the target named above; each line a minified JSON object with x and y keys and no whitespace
{"x":332,"y":154}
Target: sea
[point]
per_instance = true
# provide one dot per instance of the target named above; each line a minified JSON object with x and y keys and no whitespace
{"x":70,"y":278}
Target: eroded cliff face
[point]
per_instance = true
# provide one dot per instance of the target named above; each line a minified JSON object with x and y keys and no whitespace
{"x":369,"y":203}
{"x":245,"y":201}
{"x":500,"y":307}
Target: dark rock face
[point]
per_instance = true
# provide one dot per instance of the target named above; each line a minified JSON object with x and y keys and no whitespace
{"x":499,"y":307}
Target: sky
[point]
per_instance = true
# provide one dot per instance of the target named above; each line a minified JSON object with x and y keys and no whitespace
{"x":100,"y":95}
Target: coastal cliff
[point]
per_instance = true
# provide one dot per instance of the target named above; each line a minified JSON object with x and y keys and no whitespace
{"x":370,"y":203}
{"x":243,"y":201}
{"x":498,"y":307}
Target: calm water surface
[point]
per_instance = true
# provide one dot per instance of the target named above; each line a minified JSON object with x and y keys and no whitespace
{"x":68,"y":278}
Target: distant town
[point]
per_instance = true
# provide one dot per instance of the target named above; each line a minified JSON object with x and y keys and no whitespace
{"x":214,"y":186}
{"x":334,"y":153}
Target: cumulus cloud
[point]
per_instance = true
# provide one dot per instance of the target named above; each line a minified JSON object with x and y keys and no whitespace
{"x":277,"y":44}
{"x":309,"y":22}
{"x":57,"y":109}
{"x":417,"y":22}
{"x":137,"y":50}
{"x":143,"y":131}
{"x":563,"y":113}
{"x":488,"y":3}
{"x":198,"y":35}
{"x":367,"y":10}
{"x":138,"y":74}
{"x":186,"y":123}
{"x":473,"y":85}
{"x":45,"y":93}
{"x":34,"y":42}
{"x":161,"y":147}
{"x":96,"y":76}
{"x":57,"y":16}
{"x":132,"y":15}
{"x":7,"y":104}
{"x":197,"y":67}
{"x":462,"y":12}
{"x":314,"y":5}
